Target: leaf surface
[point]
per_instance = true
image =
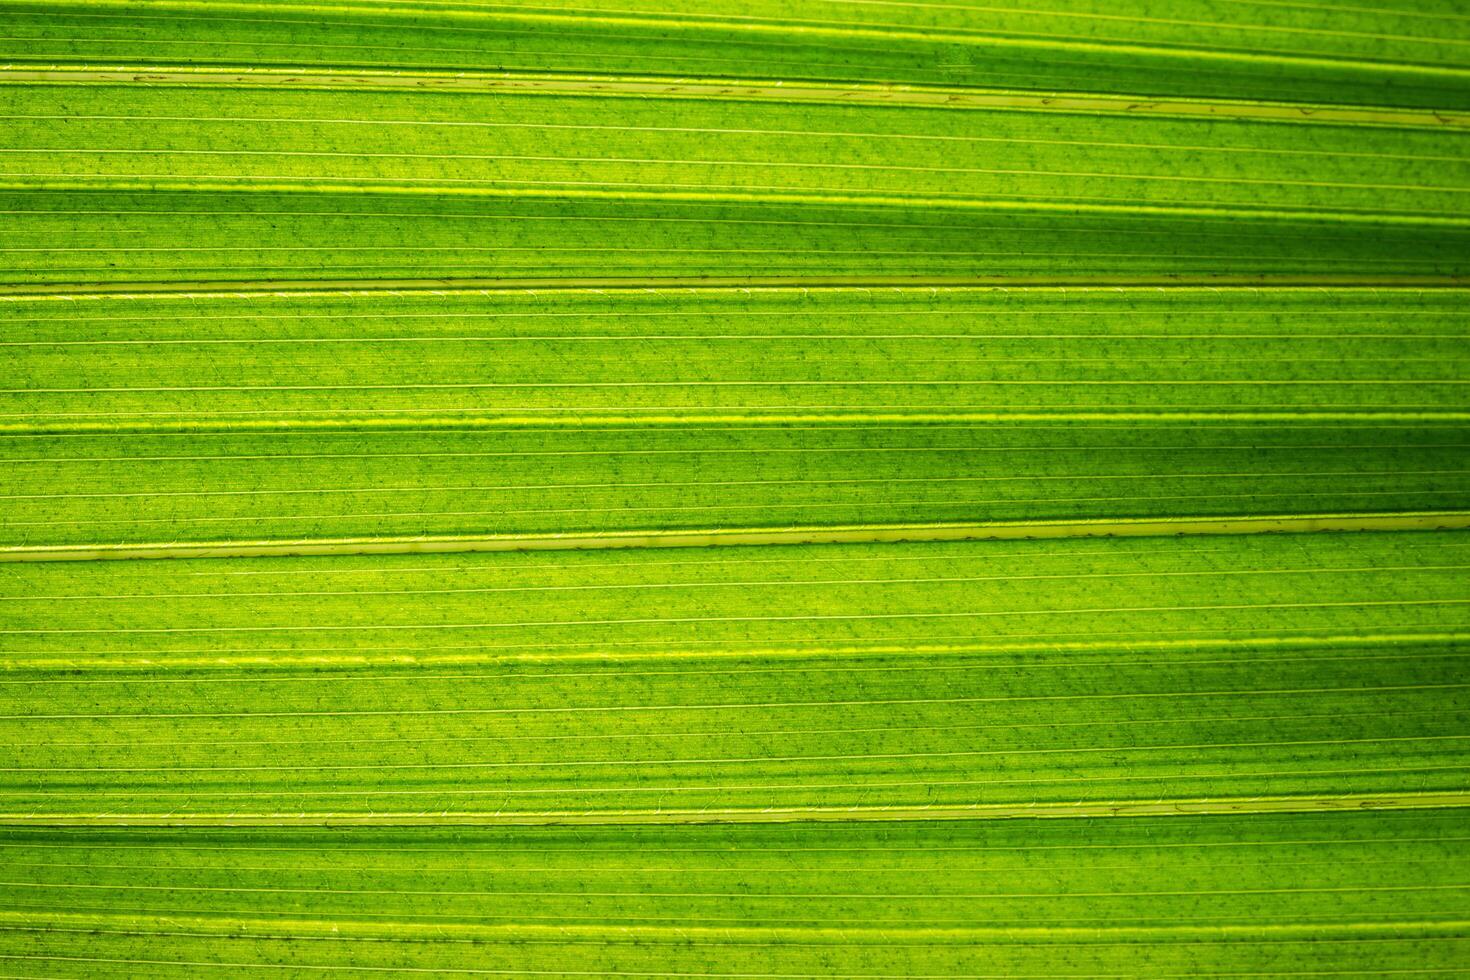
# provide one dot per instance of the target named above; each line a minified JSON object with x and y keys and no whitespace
{"x":766,"y":491}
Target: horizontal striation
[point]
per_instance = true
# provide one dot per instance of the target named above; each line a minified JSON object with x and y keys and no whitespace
{"x":1349,"y":894}
{"x":204,"y":359}
{"x":221,"y":487}
{"x":136,"y":181}
{"x":330,"y":283}
{"x":146,"y":418}
{"x":871,"y":676}
{"x":1390,"y":53}
{"x":178,"y":240}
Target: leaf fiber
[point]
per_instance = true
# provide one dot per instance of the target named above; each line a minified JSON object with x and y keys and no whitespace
{"x":882,"y":490}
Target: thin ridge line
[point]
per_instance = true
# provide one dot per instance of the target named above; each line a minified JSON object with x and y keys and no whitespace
{"x":843,"y":93}
{"x":795,"y":814}
{"x":311,"y":657}
{"x":291,"y":288}
{"x":837,"y":534}
{"x":790,"y":933}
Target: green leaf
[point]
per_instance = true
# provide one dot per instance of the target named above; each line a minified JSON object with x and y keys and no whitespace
{"x":997,"y":674}
{"x":789,"y":490}
{"x":221,"y":416}
{"x":1392,"y":53}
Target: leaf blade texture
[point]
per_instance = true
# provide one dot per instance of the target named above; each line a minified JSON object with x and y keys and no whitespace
{"x":787,"y":490}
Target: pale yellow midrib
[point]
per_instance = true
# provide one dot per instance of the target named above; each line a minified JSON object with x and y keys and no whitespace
{"x":1356,"y":802}
{"x":713,"y":537}
{"x":1248,"y":283}
{"x":734,"y":89}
